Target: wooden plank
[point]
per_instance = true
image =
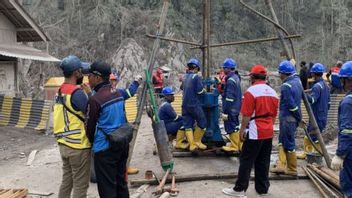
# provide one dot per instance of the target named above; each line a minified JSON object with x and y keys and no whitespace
{"x":3,"y":191}
{"x":6,"y":194}
{"x":22,"y":193}
{"x":200,"y":177}
{"x":13,"y":193}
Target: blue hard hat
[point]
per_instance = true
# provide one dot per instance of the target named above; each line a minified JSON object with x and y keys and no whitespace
{"x":193,"y":61}
{"x":168,"y":91}
{"x":286,"y":67}
{"x":229,"y":63}
{"x":317,"y":68}
{"x":346,"y":70}
{"x":70,"y":63}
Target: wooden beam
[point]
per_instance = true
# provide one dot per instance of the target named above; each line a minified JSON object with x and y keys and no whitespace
{"x":29,"y":20}
{"x":218,"y":176}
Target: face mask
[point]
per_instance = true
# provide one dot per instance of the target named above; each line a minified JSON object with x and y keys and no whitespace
{"x":79,"y":81}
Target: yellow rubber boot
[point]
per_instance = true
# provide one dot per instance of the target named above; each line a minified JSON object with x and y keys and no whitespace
{"x":281,"y":162}
{"x":308,"y":148}
{"x":198,"y":135}
{"x":180,"y":136}
{"x":132,"y":171}
{"x":291,"y":163}
{"x":190,"y":139}
{"x":234,"y":145}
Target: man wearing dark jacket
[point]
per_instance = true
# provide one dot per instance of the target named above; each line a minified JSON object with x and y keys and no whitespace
{"x":105,"y":113}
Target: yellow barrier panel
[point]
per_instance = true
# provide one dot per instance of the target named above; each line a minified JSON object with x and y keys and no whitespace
{"x":177,"y":103}
{"x":131,"y":109}
{"x":25,"y":112}
{"x":5,"y":111}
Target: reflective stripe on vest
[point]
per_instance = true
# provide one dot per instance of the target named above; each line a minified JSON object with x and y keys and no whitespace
{"x":66,"y":133}
{"x":347,"y":131}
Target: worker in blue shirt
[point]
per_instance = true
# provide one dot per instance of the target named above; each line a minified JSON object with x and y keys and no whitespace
{"x":192,"y":111}
{"x":231,"y":105}
{"x":343,"y":158}
{"x":173,"y":122}
{"x":319,"y":98}
{"x":290,"y":116}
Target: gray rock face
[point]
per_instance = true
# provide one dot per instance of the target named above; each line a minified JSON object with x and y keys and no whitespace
{"x":130,"y":59}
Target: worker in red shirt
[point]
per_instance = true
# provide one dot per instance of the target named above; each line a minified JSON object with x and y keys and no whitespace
{"x":335,"y":83}
{"x":220,"y":78}
{"x":158,"y":81}
{"x":259,"y":109}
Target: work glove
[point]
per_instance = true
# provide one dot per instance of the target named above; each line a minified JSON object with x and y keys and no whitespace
{"x":337,"y":163}
{"x":138,"y":78}
{"x":224,"y":117}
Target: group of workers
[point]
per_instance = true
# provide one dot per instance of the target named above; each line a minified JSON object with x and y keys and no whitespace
{"x":191,"y":126}
{"x":258,"y":107}
{"x":85,"y":115}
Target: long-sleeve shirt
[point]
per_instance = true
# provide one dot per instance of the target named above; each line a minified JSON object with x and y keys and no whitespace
{"x":344,"y":147}
{"x":167,"y":113}
{"x":232,"y":95}
{"x":192,"y":87}
{"x":105,"y":111}
{"x":319,"y":97}
{"x":291,"y":96}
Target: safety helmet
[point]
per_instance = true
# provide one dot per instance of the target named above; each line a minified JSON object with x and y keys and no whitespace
{"x":168,"y":91}
{"x":346,"y":70}
{"x":286,"y":67}
{"x":229,"y":63}
{"x":317,"y":68}
{"x":193,"y":61}
{"x":258,"y":70}
{"x":70,"y":63}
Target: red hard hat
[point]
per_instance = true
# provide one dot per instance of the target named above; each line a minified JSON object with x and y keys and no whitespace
{"x":258,"y":69}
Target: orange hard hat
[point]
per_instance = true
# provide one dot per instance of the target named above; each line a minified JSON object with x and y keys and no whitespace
{"x":258,"y":69}
{"x":113,"y":77}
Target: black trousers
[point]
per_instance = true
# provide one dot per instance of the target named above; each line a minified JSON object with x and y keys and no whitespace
{"x":110,"y":170}
{"x":257,"y":153}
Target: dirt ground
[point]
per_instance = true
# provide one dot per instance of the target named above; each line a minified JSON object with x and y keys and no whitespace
{"x":44,"y":175}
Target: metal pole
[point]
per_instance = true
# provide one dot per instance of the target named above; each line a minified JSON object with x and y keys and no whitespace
{"x":174,"y":40}
{"x":243,"y":42}
{"x":143,"y":95}
{"x":207,"y":41}
{"x":204,"y":39}
{"x":279,"y":32}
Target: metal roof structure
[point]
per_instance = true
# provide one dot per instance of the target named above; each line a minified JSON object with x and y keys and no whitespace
{"x":25,"y":52}
{"x":26,"y":29}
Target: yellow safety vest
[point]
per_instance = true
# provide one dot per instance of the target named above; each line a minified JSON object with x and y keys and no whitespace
{"x":68,"y":128}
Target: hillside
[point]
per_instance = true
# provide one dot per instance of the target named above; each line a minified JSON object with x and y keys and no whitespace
{"x":100,"y":29}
